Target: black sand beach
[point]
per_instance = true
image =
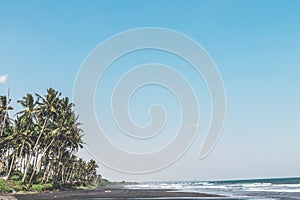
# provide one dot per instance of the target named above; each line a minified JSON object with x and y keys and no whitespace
{"x":113,"y":193}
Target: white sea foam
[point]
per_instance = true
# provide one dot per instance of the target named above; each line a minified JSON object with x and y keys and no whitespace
{"x":263,"y":189}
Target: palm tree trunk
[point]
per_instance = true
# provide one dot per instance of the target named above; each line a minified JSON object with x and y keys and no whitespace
{"x":46,"y":171}
{"x":31,"y":177}
{"x":40,"y":135}
{"x":24,"y":163}
{"x":26,"y":168}
{"x":39,"y":159}
{"x":49,"y":174}
{"x":62,"y":175}
{"x":34,"y":149}
{"x":20,"y":155}
{"x":11,"y":166}
{"x":70,"y":173}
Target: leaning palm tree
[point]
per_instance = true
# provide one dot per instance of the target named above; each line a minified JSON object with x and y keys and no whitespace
{"x":45,"y":113}
{"x":69,"y":136}
{"x":91,"y":171}
{"x":6,"y":143}
{"x":4,"y":108}
{"x":22,"y":136}
{"x":5,"y":130}
{"x":28,"y":119}
{"x":47,"y":110}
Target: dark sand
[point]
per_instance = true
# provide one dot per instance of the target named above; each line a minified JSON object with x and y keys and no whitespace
{"x":113,"y":193}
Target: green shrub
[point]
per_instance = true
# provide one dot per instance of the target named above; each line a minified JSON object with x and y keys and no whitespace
{"x":104,"y":182}
{"x":14,"y":178}
{"x":37,"y":180}
{"x":40,"y":187}
{"x":16,"y":185}
{"x":4,"y":188}
{"x":36,"y":187}
{"x":17,"y":173}
{"x":47,"y":186}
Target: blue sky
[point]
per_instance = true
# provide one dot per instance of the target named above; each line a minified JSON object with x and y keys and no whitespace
{"x":255,"y":44}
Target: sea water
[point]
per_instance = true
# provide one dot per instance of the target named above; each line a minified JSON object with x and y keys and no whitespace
{"x":280,"y":188}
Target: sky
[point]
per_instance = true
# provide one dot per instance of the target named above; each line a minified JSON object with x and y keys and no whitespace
{"x":254,"y":44}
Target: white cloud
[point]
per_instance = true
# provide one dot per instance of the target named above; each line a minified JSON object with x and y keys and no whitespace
{"x":3,"y":78}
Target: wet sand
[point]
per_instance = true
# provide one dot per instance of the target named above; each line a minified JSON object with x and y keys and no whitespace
{"x":113,"y":193}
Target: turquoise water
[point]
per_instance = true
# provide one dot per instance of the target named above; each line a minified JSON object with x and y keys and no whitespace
{"x":277,"y":188}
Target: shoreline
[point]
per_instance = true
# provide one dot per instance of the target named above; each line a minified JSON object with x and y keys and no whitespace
{"x":114,"y":192}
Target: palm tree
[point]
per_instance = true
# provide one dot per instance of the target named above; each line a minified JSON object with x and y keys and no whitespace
{"x":45,"y":113}
{"x":22,"y":137}
{"x":6,"y":143}
{"x":42,"y":141}
{"x":4,"y":101}
{"x":4,"y":108}
{"x":5,"y":130}
{"x":69,"y":135}
{"x":47,"y":110}
{"x":91,"y":170}
{"x":28,"y":118}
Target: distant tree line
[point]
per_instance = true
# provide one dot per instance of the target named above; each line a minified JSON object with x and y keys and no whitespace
{"x":39,"y":144}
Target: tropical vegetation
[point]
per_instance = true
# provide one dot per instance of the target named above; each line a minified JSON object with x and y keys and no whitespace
{"x":38,"y":145}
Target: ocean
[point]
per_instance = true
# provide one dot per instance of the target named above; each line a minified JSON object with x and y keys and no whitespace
{"x":277,"y":188}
